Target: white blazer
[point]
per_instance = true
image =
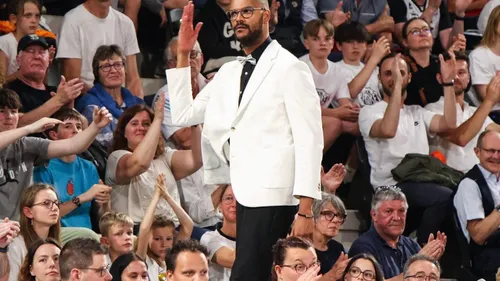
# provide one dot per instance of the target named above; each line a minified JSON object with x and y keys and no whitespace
{"x":276,"y":132}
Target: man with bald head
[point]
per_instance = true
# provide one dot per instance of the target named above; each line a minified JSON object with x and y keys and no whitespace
{"x":262,"y":133}
{"x":477,"y":204}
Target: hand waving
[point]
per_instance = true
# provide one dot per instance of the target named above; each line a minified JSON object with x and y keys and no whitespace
{"x":333,"y":179}
{"x":187,"y":34}
{"x":42,"y":125}
{"x":339,"y":16}
{"x":68,"y":91}
{"x":102,"y":117}
{"x":448,"y":70}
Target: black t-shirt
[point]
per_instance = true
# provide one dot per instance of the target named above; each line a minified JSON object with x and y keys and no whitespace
{"x":423,"y":87}
{"x":30,"y":97}
{"x":329,"y":257}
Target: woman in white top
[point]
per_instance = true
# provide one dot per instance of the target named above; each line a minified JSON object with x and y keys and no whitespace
{"x":39,"y":219}
{"x":139,"y":155}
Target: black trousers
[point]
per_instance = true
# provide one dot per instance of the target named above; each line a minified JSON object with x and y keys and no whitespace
{"x":257,"y":230}
{"x":429,"y":208}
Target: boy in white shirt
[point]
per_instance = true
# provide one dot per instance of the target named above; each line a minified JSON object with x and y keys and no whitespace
{"x":330,"y":83}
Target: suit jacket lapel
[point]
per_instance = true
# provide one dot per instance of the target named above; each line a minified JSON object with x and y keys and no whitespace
{"x":260,"y":72}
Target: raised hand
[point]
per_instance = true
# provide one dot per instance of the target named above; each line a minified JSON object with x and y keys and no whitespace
{"x":100,"y":192}
{"x":160,"y":107}
{"x":459,"y":43}
{"x":448,"y":70}
{"x":381,"y":48}
{"x":101,"y":117}
{"x":340,"y":266}
{"x":339,"y":16}
{"x":396,"y":71}
{"x":333,"y":179}
{"x":161,"y":187}
{"x":461,"y":6}
{"x":187,"y":34}
{"x":8,"y":231}
{"x":42,"y":125}
{"x":68,"y":91}
{"x":385,"y":20}
{"x":311,"y":274}
{"x":493,"y":89}
{"x":434,"y":4}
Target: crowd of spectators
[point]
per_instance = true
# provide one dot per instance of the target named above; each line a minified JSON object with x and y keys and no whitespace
{"x":98,"y":183}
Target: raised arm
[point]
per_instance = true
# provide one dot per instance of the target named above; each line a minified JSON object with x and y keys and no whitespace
{"x":80,"y":142}
{"x":186,"y":224}
{"x":147,"y":221}
{"x":186,"y":162}
{"x":387,"y":127}
{"x":132,"y":165}
{"x":10,"y":136}
{"x":442,"y":123}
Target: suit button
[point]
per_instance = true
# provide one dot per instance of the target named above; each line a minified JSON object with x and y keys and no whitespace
{"x":233,"y":129}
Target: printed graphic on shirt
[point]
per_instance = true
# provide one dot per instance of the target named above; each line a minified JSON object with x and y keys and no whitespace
{"x":368,"y":96}
{"x":8,"y":174}
{"x":323,"y":96}
{"x":414,"y":11}
{"x":228,"y":33}
{"x":70,"y":187}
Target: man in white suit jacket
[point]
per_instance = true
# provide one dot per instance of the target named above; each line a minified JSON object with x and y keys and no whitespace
{"x":262,"y":133}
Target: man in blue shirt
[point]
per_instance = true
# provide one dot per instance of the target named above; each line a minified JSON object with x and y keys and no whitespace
{"x":385,"y":240}
{"x":75,"y":179}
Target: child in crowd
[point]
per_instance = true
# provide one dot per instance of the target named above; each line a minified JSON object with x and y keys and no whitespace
{"x":75,"y":179}
{"x":156,"y":234}
{"x":117,"y":234}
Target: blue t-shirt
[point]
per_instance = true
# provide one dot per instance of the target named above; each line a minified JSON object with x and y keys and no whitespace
{"x":70,"y":180}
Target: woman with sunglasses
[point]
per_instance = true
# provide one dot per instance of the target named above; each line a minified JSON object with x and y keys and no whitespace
{"x":39,"y":219}
{"x":363,"y":267}
{"x":42,"y":262}
{"x":294,"y":259}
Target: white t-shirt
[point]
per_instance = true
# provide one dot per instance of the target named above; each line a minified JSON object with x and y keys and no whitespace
{"x":468,"y":200}
{"x":330,"y":86}
{"x":134,"y":198}
{"x":483,"y":67}
{"x":8,"y":45}
{"x":82,"y":33}
{"x":214,"y":240}
{"x":457,"y":157}
{"x":17,"y":253}
{"x":154,"y":269}
{"x":386,"y":154}
{"x":485,"y":14}
{"x":371,"y":92}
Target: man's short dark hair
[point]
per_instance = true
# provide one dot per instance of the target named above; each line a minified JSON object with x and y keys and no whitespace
{"x":192,"y":246}
{"x":420,"y":257}
{"x":352,"y":31}
{"x":78,"y":253}
{"x":64,"y":114}
{"x":459,"y":55}
{"x":405,"y":26}
{"x":9,"y":99}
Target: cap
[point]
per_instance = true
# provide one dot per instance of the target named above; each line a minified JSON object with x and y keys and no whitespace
{"x":29,"y":40}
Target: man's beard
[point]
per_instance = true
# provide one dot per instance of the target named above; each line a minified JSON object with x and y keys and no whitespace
{"x":253,"y":35}
{"x":388,"y":92}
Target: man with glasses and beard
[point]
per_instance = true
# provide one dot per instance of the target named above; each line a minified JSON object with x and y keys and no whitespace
{"x":458,"y":145}
{"x":477,"y":204}
{"x":262,"y":133}
{"x":392,"y":129}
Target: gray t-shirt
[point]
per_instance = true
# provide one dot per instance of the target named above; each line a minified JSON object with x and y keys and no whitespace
{"x":366,"y":13}
{"x":16,"y":171}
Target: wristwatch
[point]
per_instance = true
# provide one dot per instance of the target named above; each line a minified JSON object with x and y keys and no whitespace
{"x":76,"y":200}
{"x":305,"y":216}
{"x":449,"y":84}
{"x":4,"y":250}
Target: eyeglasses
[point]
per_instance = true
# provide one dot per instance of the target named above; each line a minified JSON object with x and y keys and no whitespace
{"x":246,"y":13}
{"x":420,"y":276}
{"x":192,"y":55}
{"x":102,"y":271}
{"x":490,"y":150}
{"x":107,"y":67}
{"x":420,"y":31}
{"x":329,"y":216}
{"x":48,"y":204}
{"x":300,"y":268}
{"x":355,"y":271}
{"x":228,"y":200}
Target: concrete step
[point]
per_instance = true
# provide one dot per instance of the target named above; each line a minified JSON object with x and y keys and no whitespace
{"x":351,"y":228}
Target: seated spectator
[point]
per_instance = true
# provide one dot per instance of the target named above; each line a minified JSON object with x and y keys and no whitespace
{"x":434,"y":12}
{"x":385,"y":240}
{"x":198,"y":82}
{"x":139,"y":156}
{"x":330,"y":83}
{"x":288,"y":27}
{"x":187,"y":256}
{"x":109,"y":72}
{"x":216,"y":36}
{"x":329,"y":215}
{"x":477,"y":204}
{"x":20,"y":153}
{"x":422,"y":267}
{"x":363,"y":266}
{"x":128,"y":265}
{"x":485,"y":62}
{"x":86,"y":257}
{"x":293,"y":258}
{"x":458,"y":144}
{"x":116,"y":234}
{"x":39,"y":100}
{"x":42,"y":261}
{"x":391,"y":130}
{"x":88,"y":26}
{"x":352,"y":39}
{"x":221,"y":243}
{"x":156,"y":234}
{"x":485,"y":15}
{"x":76,"y":180}
{"x":39,"y":220}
